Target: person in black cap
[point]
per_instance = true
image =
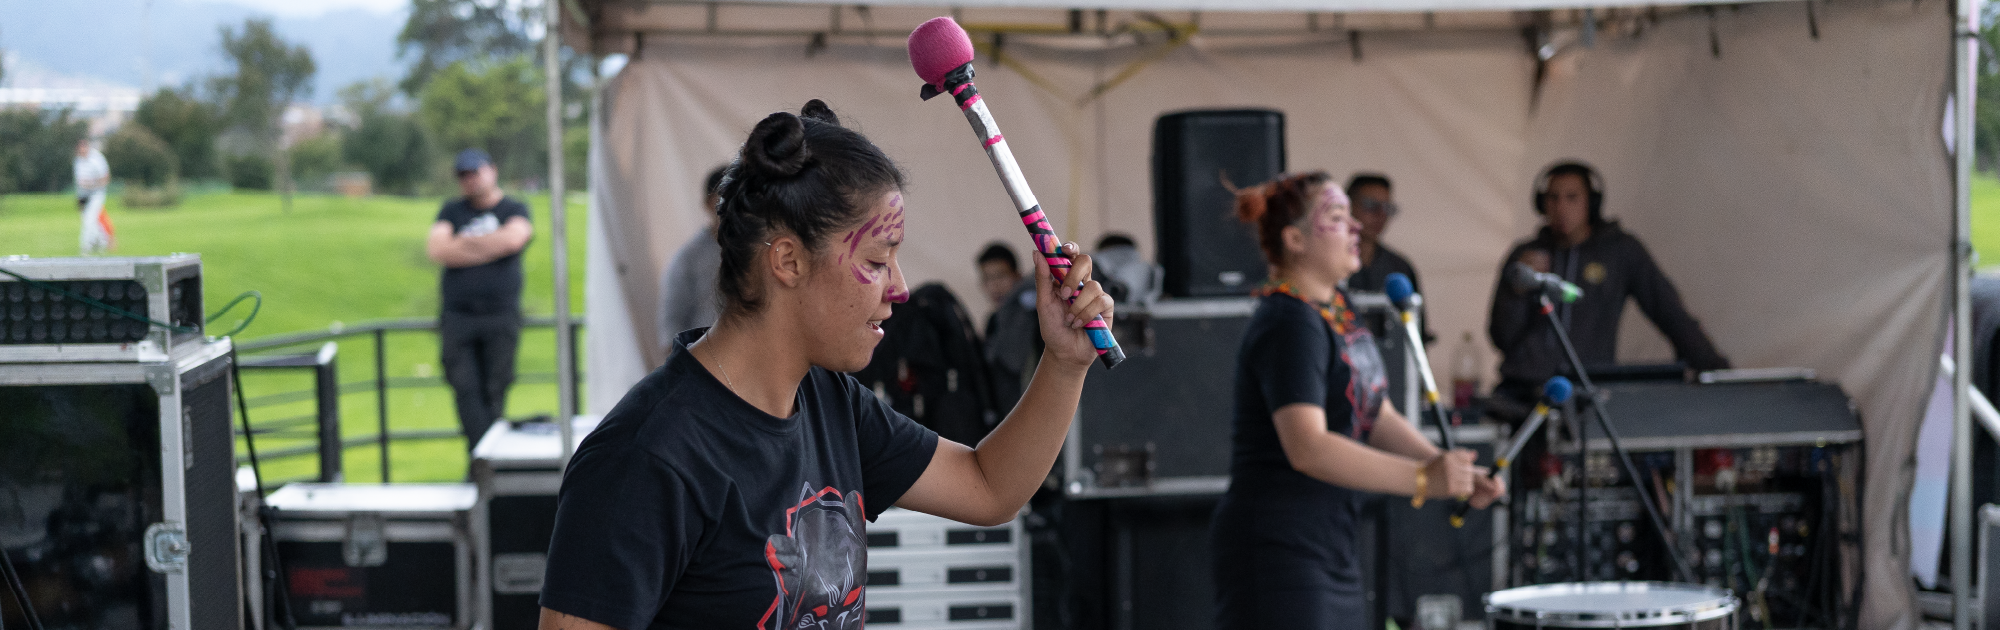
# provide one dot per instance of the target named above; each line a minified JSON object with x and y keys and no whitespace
{"x":478,"y":238}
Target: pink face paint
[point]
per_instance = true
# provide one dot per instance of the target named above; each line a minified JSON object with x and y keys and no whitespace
{"x":1327,"y":219}
{"x":897,"y":296}
{"x":860,"y":275}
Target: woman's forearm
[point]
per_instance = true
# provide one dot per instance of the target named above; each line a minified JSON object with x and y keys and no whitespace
{"x":1016,"y":457}
{"x":1397,"y":434}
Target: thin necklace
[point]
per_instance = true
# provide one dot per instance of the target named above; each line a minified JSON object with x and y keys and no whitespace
{"x":725,"y":377}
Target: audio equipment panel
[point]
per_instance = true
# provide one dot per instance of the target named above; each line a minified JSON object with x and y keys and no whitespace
{"x":930,"y":572}
{"x":49,"y":318}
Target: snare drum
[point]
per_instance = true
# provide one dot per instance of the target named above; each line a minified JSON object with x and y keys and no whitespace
{"x":1612,"y":605}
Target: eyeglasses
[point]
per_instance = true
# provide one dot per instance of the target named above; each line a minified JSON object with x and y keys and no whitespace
{"x":1376,"y":205}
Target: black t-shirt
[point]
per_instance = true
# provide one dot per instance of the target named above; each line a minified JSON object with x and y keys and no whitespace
{"x":690,"y":508}
{"x":494,"y":287}
{"x":1290,"y":354}
{"x":1374,"y":275}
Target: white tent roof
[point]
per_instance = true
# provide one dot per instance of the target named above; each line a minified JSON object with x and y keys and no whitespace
{"x":1322,"y":6}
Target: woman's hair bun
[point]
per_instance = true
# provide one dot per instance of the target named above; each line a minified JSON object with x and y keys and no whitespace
{"x":777,"y":146}
{"x":817,"y":110}
{"x":1252,"y":203}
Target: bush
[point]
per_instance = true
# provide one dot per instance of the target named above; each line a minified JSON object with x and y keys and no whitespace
{"x":138,"y":156}
{"x":249,"y":171}
{"x":314,"y":160}
{"x":38,"y":149}
{"x":165,"y":196}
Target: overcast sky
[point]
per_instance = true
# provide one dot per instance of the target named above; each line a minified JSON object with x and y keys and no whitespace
{"x":136,"y":43}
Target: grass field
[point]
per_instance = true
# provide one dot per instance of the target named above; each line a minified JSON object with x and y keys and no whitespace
{"x":334,"y":259}
{"x":330,"y":259}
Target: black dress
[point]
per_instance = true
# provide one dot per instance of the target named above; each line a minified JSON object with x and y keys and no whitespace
{"x":1284,"y":547}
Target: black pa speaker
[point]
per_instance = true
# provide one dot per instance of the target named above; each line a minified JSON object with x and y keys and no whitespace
{"x":1204,"y":249}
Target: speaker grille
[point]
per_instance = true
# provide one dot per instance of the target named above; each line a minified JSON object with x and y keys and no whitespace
{"x":1203,"y":248}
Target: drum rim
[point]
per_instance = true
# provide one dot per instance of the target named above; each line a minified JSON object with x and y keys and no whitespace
{"x":1723,"y":605}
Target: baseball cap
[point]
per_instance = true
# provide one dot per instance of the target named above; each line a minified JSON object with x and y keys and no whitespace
{"x":470,"y":160}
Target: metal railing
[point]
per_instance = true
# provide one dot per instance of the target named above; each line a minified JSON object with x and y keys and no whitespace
{"x":326,"y":390}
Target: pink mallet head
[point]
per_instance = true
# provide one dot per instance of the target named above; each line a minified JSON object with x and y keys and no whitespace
{"x":937,"y":47}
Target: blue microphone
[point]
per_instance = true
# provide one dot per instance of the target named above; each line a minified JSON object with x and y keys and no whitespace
{"x":1399,"y":289}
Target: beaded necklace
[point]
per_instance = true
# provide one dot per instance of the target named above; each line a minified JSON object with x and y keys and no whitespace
{"x":1336,"y":313}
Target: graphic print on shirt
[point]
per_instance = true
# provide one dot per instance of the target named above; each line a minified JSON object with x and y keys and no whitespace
{"x":820,"y":563}
{"x":1370,"y":385}
{"x":481,"y":225}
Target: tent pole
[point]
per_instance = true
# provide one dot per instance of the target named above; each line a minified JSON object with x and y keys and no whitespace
{"x":1965,"y":57}
{"x":559,"y":231}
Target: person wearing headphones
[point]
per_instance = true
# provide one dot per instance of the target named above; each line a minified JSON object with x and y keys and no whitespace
{"x":1609,"y":264}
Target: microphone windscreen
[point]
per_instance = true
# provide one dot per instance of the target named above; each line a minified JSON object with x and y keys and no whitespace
{"x":1522,"y":278}
{"x":937,"y":47}
{"x":1399,"y":289}
{"x":1557,"y":390}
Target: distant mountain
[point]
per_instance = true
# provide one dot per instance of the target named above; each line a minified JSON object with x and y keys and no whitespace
{"x":107,"y":40}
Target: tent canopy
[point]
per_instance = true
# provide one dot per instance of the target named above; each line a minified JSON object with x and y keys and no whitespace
{"x":1784,"y":162}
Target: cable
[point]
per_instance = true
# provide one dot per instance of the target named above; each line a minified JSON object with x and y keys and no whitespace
{"x":20,"y":591}
{"x":254,"y":309}
{"x":279,"y":593}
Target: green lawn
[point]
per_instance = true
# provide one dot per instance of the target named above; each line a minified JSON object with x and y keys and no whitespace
{"x":1986,"y":220}
{"x":331,"y":259}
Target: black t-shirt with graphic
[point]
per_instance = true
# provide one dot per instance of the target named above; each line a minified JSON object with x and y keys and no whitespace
{"x":494,"y":287}
{"x":690,"y":508}
{"x":1290,"y":354}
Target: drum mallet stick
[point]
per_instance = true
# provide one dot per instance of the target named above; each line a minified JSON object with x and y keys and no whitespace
{"x":941,"y":53}
{"x":1554,"y":393}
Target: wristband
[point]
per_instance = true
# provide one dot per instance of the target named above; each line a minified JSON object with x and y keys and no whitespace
{"x":1423,"y":488}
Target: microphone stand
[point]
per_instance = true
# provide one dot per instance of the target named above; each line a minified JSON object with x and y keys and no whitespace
{"x":1595,"y":401}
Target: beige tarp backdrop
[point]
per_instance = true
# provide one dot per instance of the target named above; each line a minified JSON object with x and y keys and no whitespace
{"x":1797,"y":190}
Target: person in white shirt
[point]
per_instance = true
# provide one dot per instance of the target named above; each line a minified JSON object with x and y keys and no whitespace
{"x":93,"y":176}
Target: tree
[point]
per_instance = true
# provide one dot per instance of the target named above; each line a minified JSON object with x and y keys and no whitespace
{"x":496,"y":106}
{"x":389,"y":144}
{"x":39,"y":150}
{"x":138,"y":156}
{"x":269,"y":75}
{"x":444,"y":32}
{"x":187,"y":124}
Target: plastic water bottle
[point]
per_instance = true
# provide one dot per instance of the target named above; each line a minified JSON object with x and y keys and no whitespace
{"x":1465,"y":372}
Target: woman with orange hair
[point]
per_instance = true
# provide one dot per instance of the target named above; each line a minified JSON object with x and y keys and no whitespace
{"x":1313,"y":430}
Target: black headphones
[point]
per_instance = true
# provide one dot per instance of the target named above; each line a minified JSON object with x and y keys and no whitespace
{"x":1591,"y":180}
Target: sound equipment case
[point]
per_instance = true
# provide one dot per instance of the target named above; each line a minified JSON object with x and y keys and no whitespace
{"x":37,"y":325}
{"x":117,"y":500}
{"x":375,"y":555}
{"x":1172,"y":399}
{"x":518,"y":470}
{"x":927,"y":572}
